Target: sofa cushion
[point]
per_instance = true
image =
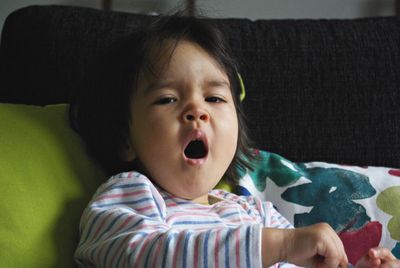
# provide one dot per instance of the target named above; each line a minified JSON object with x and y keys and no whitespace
{"x":361,"y":203}
{"x":46,"y":180}
{"x":331,"y":81}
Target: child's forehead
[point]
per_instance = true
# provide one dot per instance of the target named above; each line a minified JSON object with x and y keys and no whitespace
{"x":156,"y":66}
{"x":160,"y":55}
{"x":162,"y":52}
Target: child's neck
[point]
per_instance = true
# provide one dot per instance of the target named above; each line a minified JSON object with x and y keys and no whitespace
{"x":203,"y":200}
{"x":206,"y":200}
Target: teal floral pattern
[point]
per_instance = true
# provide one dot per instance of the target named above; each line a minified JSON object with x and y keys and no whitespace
{"x":331,"y":190}
{"x":343,"y":196}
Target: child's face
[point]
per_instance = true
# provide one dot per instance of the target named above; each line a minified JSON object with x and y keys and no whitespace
{"x":188,"y":99}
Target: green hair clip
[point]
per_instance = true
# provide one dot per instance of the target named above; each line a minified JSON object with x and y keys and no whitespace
{"x":242,"y":88}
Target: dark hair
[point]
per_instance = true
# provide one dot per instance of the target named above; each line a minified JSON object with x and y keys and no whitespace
{"x":101,"y":114}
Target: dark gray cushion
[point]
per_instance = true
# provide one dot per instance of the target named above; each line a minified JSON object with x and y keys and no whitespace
{"x":324,"y":90}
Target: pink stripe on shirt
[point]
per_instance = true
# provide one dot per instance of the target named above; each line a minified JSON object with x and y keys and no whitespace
{"x":237,"y":234}
{"x":196,"y":252}
{"x":216,"y":251}
{"x":121,"y":195}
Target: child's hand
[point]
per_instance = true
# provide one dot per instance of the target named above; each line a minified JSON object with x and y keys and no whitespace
{"x":378,"y":257}
{"x":317,"y":246}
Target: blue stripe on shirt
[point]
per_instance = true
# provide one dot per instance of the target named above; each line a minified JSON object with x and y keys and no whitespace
{"x":195,"y":222}
{"x":117,"y":240}
{"x":124,"y":186}
{"x":159,"y":209}
{"x":166,"y":248}
{"x":121,"y":203}
{"x":248,"y":246}
{"x":207,"y":236}
{"x":92,"y":223}
{"x":149,"y":251}
{"x":185,"y":249}
{"x":227,"y":249}
{"x":109,"y":227}
{"x":230,"y":214}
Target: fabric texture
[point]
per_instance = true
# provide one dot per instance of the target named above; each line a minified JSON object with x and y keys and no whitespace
{"x":130,"y":222}
{"x":317,"y":90}
{"x":360,"y":203}
{"x":46,"y":181}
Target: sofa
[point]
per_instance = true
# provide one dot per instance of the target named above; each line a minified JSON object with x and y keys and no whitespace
{"x":322,"y":105}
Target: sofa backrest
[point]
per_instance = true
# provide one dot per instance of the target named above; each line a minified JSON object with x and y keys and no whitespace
{"x":324,"y":90}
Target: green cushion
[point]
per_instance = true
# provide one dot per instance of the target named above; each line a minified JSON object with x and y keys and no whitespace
{"x":46,"y":181}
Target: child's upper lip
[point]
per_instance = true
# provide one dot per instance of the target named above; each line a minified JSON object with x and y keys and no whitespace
{"x":196,"y":134}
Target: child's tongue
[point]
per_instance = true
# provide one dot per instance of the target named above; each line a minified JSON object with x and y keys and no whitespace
{"x":195,"y":150}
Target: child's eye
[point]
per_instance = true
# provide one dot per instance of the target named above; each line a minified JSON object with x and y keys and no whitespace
{"x":165,"y":100}
{"x":215,"y":99}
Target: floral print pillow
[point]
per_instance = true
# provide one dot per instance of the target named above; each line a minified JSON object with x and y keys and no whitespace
{"x":361,"y":203}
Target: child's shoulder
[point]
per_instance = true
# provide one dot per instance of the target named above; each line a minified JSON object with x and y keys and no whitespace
{"x":129,"y":177}
{"x":128,"y":192}
{"x":125,"y":180}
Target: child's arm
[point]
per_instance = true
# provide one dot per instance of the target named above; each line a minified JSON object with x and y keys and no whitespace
{"x":313,"y":246}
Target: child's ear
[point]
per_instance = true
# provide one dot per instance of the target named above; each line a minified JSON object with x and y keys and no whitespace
{"x":127,"y":153}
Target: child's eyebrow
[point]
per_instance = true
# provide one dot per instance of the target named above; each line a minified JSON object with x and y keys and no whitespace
{"x":158,"y":85}
{"x":218,"y":83}
{"x":172,"y":84}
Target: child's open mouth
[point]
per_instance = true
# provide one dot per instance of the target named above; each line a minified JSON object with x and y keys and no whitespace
{"x":196,"y":147}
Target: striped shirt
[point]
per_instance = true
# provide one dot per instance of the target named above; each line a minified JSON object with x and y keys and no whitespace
{"x":132,"y":223}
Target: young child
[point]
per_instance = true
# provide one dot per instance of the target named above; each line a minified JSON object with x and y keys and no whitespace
{"x":169,"y":121}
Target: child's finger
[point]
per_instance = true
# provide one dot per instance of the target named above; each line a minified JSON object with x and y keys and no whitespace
{"x":382,"y":254}
{"x":375,"y":262}
{"x":328,"y":263}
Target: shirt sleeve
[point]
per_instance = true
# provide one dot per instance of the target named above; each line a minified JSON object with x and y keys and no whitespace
{"x":273,"y":219}
{"x":125,"y":226}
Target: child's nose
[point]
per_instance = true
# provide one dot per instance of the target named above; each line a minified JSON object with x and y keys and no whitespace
{"x":195,"y":114}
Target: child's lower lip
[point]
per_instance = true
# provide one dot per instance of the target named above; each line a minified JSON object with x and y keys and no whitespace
{"x":195,"y":162}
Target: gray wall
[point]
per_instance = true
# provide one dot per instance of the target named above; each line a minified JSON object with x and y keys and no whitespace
{"x":253,"y":9}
